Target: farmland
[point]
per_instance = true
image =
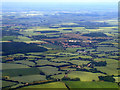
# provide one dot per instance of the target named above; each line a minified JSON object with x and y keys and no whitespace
{"x":50,"y":85}
{"x":78,"y":84}
{"x":53,"y":50}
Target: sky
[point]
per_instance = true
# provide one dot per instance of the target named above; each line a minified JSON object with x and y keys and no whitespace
{"x":60,"y":0}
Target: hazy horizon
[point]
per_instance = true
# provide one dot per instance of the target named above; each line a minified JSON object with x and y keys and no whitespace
{"x":61,"y":5}
{"x":60,"y":1}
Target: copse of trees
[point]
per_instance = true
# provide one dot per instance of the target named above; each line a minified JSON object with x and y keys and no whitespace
{"x":107,"y":78}
{"x":69,"y":79}
{"x":20,"y":47}
{"x":100,"y":63}
{"x":95,"y":34}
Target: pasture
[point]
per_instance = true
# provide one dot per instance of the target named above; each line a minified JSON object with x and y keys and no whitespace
{"x":7,"y":83}
{"x":48,"y":85}
{"x":79,"y":84}
{"x":29,"y":78}
{"x":46,"y":62}
{"x":78,"y":62}
{"x":13,"y":66}
{"x":111,"y":68}
{"x":48,"y":70}
{"x":20,"y":71}
{"x":85,"y":76}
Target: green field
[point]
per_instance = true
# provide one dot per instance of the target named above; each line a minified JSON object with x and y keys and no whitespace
{"x":8,"y":38}
{"x":78,"y":62}
{"x":48,"y":70}
{"x":49,"y":85}
{"x":67,"y":69}
{"x":29,"y":78}
{"x":25,"y":62}
{"x":117,"y":79}
{"x":46,"y":62}
{"x":22,"y":39}
{"x":20,"y":71}
{"x":106,"y":49}
{"x":13,"y":66}
{"x":60,"y":76}
{"x":79,"y":84}
{"x":85,"y":76}
{"x":7,"y":83}
{"x":111,"y":68}
{"x":74,"y":49}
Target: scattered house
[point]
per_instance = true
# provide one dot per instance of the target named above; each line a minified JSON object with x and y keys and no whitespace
{"x":26,"y":83}
{"x":78,"y":66}
{"x":74,"y":40}
{"x":87,"y":41}
{"x":81,"y":51}
{"x":89,"y":65}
